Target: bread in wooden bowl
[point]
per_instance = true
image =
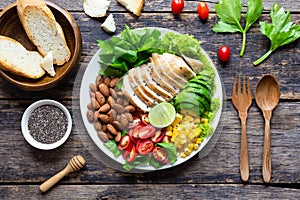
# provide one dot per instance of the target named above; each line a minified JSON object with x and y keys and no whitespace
{"x":14,"y":57}
{"x":42,"y":29}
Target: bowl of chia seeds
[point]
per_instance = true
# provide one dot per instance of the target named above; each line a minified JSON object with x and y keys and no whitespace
{"x":46,"y":124}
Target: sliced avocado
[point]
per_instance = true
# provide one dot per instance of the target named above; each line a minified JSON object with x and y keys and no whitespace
{"x":189,"y":108}
{"x":192,"y":98}
{"x":201,"y":82}
{"x":199,"y":90}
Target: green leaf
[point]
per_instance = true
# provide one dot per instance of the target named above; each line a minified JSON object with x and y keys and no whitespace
{"x":112,"y":146}
{"x":171,"y":151}
{"x":281,"y":31}
{"x":229,"y":12}
{"x":255,"y":8}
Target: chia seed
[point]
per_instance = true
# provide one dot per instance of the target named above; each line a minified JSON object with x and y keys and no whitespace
{"x":47,"y":124}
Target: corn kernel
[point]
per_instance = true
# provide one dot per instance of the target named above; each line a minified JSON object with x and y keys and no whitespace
{"x":191,"y":146}
{"x":169,"y":128}
{"x":196,"y":146}
{"x":183,"y":155}
{"x":187,"y":151}
{"x":199,"y":140}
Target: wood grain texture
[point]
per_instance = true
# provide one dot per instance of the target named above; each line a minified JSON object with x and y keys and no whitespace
{"x":216,"y":176}
{"x":141,"y":192}
{"x":25,"y":164}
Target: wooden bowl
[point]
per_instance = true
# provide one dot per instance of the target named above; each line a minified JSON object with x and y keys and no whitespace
{"x":11,"y":26}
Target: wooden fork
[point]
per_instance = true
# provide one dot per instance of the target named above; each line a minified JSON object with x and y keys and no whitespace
{"x":242,"y":99}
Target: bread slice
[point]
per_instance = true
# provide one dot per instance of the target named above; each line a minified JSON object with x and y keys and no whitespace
{"x":95,"y":8}
{"x":18,"y":60}
{"x":109,"y":24}
{"x":43,"y":30}
{"x":47,"y":64}
{"x":134,"y":6}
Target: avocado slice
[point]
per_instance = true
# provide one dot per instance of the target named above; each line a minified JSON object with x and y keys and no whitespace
{"x":199,"y":90}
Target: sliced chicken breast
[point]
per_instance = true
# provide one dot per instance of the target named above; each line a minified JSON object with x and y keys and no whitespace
{"x":143,"y":85}
{"x":196,"y":65}
{"x":179,"y":66}
{"x":154,"y":86}
{"x":132,"y":97}
{"x":137,"y":88}
{"x":154,"y":73}
{"x":179,"y":79}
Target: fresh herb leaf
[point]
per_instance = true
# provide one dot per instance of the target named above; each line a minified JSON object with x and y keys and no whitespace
{"x":229,"y":12}
{"x":132,"y":48}
{"x":140,"y":159}
{"x":171,"y":151}
{"x":112,"y":146}
{"x":281,"y":31}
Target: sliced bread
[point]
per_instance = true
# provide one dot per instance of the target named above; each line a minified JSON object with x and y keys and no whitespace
{"x":134,"y":6}
{"x":43,"y":30}
{"x":15,"y":58}
{"x":109,"y":24}
{"x":47,"y":64}
{"x":95,"y":8}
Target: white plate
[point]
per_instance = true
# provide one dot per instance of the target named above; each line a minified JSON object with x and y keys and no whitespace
{"x":90,"y":75}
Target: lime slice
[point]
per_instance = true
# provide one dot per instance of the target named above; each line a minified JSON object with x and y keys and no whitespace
{"x":162,"y":115}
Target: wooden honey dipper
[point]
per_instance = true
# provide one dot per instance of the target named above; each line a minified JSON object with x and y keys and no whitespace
{"x":75,"y":164}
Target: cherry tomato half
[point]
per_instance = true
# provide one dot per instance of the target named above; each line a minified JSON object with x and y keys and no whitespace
{"x":136,"y":121}
{"x":177,"y":6}
{"x":125,"y":143}
{"x":159,"y":135}
{"x":160,"y":154}
{"x":203,"y":11}
{"x":130,"y":154}
{"x":146,"y":132}
{"x":136,"y":131}
{"x":133,"y":139}
{"x":144,"y":146}
{"x":224,"y":53}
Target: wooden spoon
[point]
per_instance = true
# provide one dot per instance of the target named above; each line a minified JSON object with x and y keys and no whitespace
{"x":267,"y":95}
{"x":75,"y":164}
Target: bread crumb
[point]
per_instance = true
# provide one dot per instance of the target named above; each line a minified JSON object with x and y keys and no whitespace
{"x":109,"y":24}
{"x":96,"y":8}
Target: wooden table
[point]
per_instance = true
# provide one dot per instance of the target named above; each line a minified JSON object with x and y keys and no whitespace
{"x":24,"y":168}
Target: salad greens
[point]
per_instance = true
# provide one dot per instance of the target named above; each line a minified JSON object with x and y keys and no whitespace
{"x":281,"y":31}
{"x":229,"y":12}
{"x":149,"y":160}
{"x":134,"y":47}
{"x":112,"y":146}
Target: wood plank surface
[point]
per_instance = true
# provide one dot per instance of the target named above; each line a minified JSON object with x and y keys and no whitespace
{"x":160,"y":191}
{"x":221,"y":165}
{"x":215,"y":176}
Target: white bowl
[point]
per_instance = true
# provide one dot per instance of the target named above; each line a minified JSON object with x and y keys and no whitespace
{"x":24,"y":125}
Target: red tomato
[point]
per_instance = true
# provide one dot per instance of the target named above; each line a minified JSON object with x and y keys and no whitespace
{"x":125,"y":143}
{"x":136,"y":131}
{"x":159,"y":135}
{"x":160,"y":154}
{"x":224,"y":53}
{"x":144,"y":146}
{"x":133,"y":139}
{"x":203,"y":11}
{"x":177,"y":6}
{"x":146,"y":132}
{"x":130,"y":154}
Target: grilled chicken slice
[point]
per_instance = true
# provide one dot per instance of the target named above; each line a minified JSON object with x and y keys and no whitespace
{"x":155,"y":74}
{"x":162,"y":67}
{"x":132,"y":97}
{"x":179,"y":66}
{"x":196,"y":65}
{"x":143,"y":85}
{"x":137,"y":88}
{"x":154,"y":86}
{"x":179,"y":79}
